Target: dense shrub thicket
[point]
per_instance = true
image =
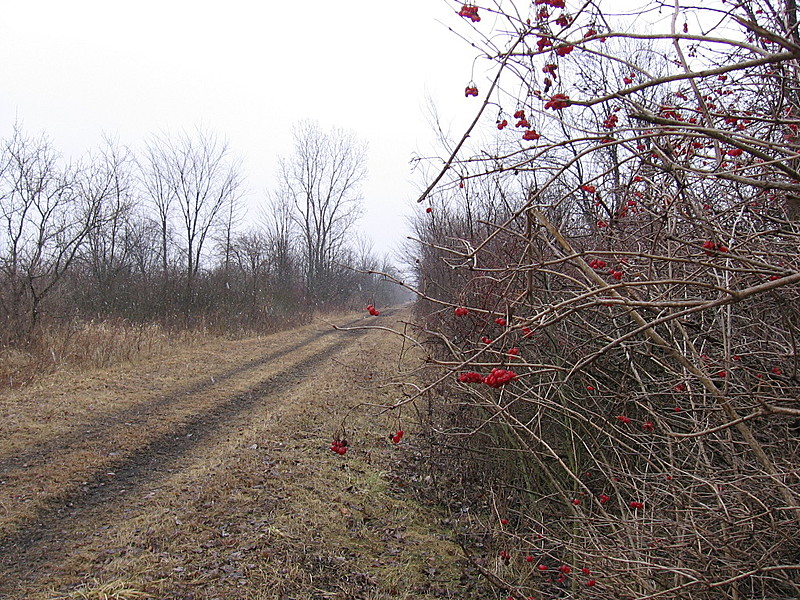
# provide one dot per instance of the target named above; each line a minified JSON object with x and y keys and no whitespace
{"x":610,"y":276}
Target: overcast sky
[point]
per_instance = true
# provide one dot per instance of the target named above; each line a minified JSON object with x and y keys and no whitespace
{"x":246,"y":70}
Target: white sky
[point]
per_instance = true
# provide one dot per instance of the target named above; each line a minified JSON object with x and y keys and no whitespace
{"x":247,"y":71}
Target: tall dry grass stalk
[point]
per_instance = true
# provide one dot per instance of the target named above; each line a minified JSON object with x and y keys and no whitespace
{"x":90,"y":345}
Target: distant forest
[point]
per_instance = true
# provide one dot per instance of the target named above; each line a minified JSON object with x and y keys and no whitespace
{"x":158,"y":235}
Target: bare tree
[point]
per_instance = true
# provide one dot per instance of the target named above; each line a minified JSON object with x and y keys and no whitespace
{"x":198,"y":178}
{"x":108,"y":248}
{"x":321,"y":179}
{"x":285,"y":285}
{"x":155,"y":182}
{"x":47,"y":212}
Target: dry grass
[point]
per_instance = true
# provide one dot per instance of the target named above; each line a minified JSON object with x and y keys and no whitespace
{"x":85,"y":346}
{"x":112,"y":590}
{"x":257,"y":507}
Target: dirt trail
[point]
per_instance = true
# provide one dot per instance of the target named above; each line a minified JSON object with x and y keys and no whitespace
{"x":207,"y":475}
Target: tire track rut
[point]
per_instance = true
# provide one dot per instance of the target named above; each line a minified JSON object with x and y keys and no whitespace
{"x":137,"y":415}
{"x":37,"y":539}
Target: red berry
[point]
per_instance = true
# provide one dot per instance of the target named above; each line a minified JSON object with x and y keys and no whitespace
{"x":429,"y":210}
{"x":499,"y":377}
{"x":470,"y":377}
{"x":558,"y":102}
{"x":564,"y":50}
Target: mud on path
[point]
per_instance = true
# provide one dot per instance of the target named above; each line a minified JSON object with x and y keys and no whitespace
{"x":207,"y":474}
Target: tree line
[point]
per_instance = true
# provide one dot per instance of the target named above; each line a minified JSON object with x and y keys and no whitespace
{"x":160,"y":234}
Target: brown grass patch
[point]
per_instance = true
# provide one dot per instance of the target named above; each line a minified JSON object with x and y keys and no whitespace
{"x":244,"y":500}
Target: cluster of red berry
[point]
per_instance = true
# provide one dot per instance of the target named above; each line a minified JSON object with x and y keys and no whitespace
{"x":461,"y":311}
{"x":564,"y":20}
{"x":470,"y":11}
{"x":339,"y":446}
{"x":598,"y":263}
{"x":398,"y":436}
{"x":551,"y":69}
{"x":710,"y":247}
{"x":470,"y":377}
{"x":470,"y":90}
{"x":611,"y":121}
{"x":558,"y":102}
{"x":564,"y":50}
{"x":544,"y":42}
{"x":373,"y":311}
{"x":553,"y":3}
{"x":588,"y":187}
{"x":499,"y":377}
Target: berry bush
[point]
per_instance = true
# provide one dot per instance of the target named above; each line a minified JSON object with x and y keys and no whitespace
{"x":612,"y":295}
